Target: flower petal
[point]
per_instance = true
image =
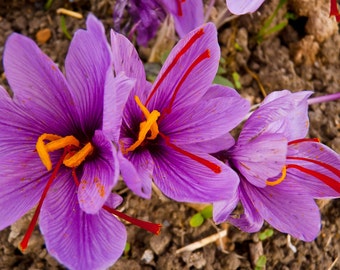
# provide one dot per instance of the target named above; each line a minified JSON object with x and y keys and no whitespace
{"x":38,"y":84}
{"x":186,"y":180}
{"x":243,"y":6}
{"x":287,"y":207}
{"x":137,"y":172}
{"x":223,"y":209}
{"x":116,"y":94}
{"x":195,"y":56}
{"x":281,"y":112}
{"x":321,"y":175}
{"x":261,"y":158}
{"x":87,"y":63}
{"x":188,"y":16}
{"x":79,"y":240}
{"x":100,"y":175}
{"x":219,"y":111}
{"x":250,"y":221}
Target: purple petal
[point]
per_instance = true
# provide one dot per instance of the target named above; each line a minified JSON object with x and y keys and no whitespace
{"x":99,"y":175}
{"x":38,"y":84}
{"x":223,"y":209}
{"x":137,"y":172}
{"x":287,"y":207}
{"x":87,"y":63}
{"x":79,"y":240}
{"x":281,"y":112}
{"x":317,"y":169}
{"x":195,"y":56}
{"x":240,"y":7}
{"x":261,"y":158}
{"x":186,"y":180}
{"x":216,"y":114}
{"x":116,"y":94}
{"x":250,"y":221}
{"x":224,"y":142}
{"x":188,"y":16}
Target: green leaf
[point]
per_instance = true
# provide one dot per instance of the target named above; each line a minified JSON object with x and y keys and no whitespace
{"x":63,"y":27}
{"x":220,"y":70}
{"x":207,"y":212}
{"x":261,"y":262}
{"x":127,"y":248}
{"x":236,"y":78}
{"x":196,"y":220}
{"x":48,"y":4}
{"x":266,"y":234}
{"x":164,"y":56}
{"x":223,"y":81}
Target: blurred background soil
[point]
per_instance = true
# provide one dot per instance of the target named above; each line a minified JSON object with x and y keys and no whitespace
{"x":302,"y":52}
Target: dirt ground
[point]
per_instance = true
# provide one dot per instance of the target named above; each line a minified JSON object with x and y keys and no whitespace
{"x":303,"y":55}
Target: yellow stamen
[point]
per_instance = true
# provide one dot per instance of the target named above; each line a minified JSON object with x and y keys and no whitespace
{"x":278,"y":181}
{"x":42,"y":151}
{"x":154,"y":127}
{"x":61,"y":143}
{"x":79,"y":157}
{"x":149,"y":125}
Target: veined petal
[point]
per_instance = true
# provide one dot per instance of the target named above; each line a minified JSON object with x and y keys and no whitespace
{"x":219,"y":111}
{"x":243,"y":6}
{"x":87,"y":63}
{"x":261,"y":158}
{"x":38,"y":84}
{"x":116,"y":94}
{"x":250,"y":221}
{"x":137,"y":172}
{"x":195,"y":56}
{"x":281,"y":112}
{"x":77,"y":239}
{"x":223,"y":209}
{"x":287,"y":207}
{"x":186,"y":180}
{"x":222,"y":143}
{"x":99,"y":175}
{"x":187,"y":16}
{"x":320,"y":175}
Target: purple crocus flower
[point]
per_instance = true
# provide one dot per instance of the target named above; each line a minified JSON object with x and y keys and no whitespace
{"x":146,"y":16}
{"x":240,"y":7}
{"x":54,"y":152}
{"x":281,"y":172}
{"x":170,"y":127}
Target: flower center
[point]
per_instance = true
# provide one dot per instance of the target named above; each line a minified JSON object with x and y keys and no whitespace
{"x":279,"y":180}
{"x":150,"y":124}
{"x":72,"y":159}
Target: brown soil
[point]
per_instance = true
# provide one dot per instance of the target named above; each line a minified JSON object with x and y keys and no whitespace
{"x":304,"y":55}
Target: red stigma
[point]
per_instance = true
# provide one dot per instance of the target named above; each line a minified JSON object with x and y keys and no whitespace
{"x":212,"y":166}
{"x":186,"y":47}
{"x":334,"y":10}
{"x":148,"y":226}
{"x":304,"y":140}
{"x":24,"y":243}
{"x":179,"y":7}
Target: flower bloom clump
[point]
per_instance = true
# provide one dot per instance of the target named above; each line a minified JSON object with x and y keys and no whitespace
{"x":169,"y":127}
{"x":146,"y":16}
{"x":54,"y":151}
{"x":281,"y":172}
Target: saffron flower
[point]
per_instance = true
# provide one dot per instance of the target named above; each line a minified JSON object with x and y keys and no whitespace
{"x":54,"y":151}
{"x":280,"y":171}
{"x":240,"y":7}
{"x":169,"y":127}
{"x":146,"y":16}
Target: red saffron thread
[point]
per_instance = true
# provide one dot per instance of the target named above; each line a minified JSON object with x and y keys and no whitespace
{"x":186,"y":47}
{"x":199,"y":59}
{"x":148,"y":226}
{"x":304,"y":140}
{"x":212,"y":166}
{"x":322,"y":164}
{"x":179,"y":7}
{"x":334,"y":10}
{"x":24,"y":243}
{"x":324,"y":178}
